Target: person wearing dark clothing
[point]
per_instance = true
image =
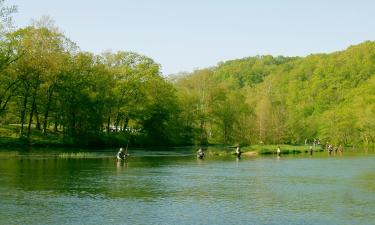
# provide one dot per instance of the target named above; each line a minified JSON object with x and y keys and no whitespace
{"x":122,"y":155}
{"x":200,"y":154}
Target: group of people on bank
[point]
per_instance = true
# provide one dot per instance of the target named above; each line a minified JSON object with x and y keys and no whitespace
{"x":330,"y":148}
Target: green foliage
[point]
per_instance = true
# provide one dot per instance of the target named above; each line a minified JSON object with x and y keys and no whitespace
{"x":92,"y":100}
{"x":286,"y":100}
{"x":49,"y":88}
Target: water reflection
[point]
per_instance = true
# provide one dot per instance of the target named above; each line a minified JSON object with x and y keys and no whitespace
{"x":121,"y":166}
{"x":171,"y":189}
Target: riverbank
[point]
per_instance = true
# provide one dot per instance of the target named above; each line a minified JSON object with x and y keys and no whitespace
{"x":9,"y":138}
{"x":285,"y":149}
{"x":254,"y":150}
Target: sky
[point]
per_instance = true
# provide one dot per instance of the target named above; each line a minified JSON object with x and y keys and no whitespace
{"x":184,"y":35}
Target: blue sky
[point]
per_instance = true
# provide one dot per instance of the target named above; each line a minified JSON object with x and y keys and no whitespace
{"x":185,"y":35}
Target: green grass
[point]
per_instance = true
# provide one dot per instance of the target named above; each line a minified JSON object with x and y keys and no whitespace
{"x":9,"y":137}
{"x":285,"y":149}
{"x":220,"y":150}
{"x":8,"y":154}
{"x":9,"y":131}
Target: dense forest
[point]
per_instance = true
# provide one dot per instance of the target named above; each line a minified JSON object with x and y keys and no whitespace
{"x":49,"y":86}
{"x":268,"y":99}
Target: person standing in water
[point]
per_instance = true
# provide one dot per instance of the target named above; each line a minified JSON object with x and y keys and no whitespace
{"x":200,"y":153}
{"x":278,"y":151}
{"x":122,"y":155}
{"x":238,"y":152}
{"x":330,"y":149}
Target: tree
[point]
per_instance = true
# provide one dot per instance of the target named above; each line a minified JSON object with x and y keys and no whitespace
{"x":43,"y":56}
{"x":8,"y":55}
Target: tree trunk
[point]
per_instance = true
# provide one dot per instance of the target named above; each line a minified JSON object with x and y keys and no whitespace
{"x":23,"y":110}
{"x":3,"y":107}
{"x":56,"y":124}
{"x":126,"y":123}
{"x":45,"y":120}
{"x":203,"y":135}
{"x":117,"y":117}
{"x":6,"y":95}
{"x":108,"y":124}
{"x":38,"y":127}
{"x":33,"y":105}
{"x":225,"y":135}
{"x":72,"y":128}
{"x":46,"y":112}
{"x":31,"y":117}
{"x":121,"y":125}
{"x":117,"y":121}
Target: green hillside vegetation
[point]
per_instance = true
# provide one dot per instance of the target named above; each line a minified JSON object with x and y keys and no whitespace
{"x":268,"y":99}
{"x":52,"y":93}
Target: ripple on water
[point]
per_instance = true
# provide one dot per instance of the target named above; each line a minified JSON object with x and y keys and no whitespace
{"x":169,"y":190}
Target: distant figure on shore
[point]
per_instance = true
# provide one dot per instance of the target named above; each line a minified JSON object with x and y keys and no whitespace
{"x":238,"y":152}
{"x":200,"y":153}
{"x":278,"y":151}
{"x":330,"y":149}
{"x":311,"y":150}
{"x":122,"y":155}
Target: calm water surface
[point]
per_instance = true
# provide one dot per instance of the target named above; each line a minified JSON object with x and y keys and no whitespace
{"x":176,"y":188}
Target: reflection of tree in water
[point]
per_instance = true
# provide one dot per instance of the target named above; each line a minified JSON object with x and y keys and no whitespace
{"x":139,"y":178}
{"x":51,"y":174}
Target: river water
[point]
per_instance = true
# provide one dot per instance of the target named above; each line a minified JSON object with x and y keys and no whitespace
{"x":173,"y":187}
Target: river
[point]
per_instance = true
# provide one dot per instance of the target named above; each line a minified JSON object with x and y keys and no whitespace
{"x":173,"y":187}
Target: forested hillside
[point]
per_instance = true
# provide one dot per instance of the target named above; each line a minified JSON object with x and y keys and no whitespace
{"x":267,"y":99}
{"x":51,"y":89}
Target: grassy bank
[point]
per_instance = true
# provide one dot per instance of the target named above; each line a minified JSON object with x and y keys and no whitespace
{"x":10,"y":137}
{"x":285,"y":149}
{"x":252,"y":150}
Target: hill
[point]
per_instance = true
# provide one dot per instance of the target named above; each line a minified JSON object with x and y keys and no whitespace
{"x":269,"y":99}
